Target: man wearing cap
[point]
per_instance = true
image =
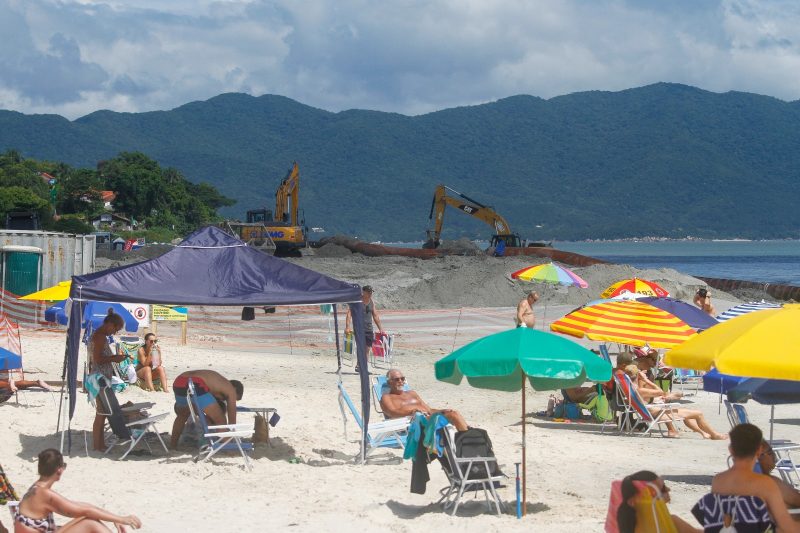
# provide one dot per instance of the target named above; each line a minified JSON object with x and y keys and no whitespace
{"x":370,"y":314}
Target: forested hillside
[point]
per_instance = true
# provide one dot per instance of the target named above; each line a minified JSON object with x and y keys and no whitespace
{"x":665,"y":159}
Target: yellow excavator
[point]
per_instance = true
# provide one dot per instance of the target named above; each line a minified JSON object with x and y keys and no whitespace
{"x":444,"y":196}
{"x":285,"y":229}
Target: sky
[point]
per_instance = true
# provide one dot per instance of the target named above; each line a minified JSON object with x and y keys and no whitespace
{"x":73,"y":57}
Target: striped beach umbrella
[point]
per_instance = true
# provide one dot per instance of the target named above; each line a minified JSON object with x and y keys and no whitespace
{"x":743,"y":309}
{"x":550,"y":273}
{"x":628,"y":322}
{"x":635,"y":285}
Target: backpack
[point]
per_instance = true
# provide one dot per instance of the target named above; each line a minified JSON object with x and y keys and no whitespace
{"x":475,"y":442}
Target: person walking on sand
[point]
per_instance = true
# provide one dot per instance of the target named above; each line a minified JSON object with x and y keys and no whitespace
{"x":37,"y":508}
{"x":210,"y":388}
{"x":525,"y":317}
{"x":370,"y":314}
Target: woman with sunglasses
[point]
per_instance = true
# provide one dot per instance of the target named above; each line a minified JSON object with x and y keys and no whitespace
{"x":151,"y":364}
{"x":36,"y":510}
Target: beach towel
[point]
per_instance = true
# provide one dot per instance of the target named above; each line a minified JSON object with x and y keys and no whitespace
{"x":747,"y":514}
{"x":7,"y":492}
{"x":92,"y":386}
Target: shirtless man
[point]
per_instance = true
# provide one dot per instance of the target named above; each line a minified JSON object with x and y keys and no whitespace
{"x":702,"y":299}
{"x":211,"y":388}
{"x":398,"y":403}
{"x":525,"y":317}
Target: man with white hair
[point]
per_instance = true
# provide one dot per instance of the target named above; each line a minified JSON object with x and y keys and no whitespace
{"x":399,"y":402}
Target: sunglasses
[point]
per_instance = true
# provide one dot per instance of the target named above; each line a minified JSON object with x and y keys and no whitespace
{"x":398,"y":379}
{"x":154,"y":341}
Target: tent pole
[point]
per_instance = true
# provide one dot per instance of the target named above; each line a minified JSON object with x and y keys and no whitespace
{"x":524,"y":469}
{"x":771,"y":421}
{"x":336,"y":333}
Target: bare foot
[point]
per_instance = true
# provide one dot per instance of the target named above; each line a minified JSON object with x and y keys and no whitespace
{"x":43,"y":384}
{"x":673,"y":434}
{"x":719,"y":436}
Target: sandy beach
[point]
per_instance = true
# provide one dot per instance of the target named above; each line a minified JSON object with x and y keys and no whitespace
{"x":307,"y":480}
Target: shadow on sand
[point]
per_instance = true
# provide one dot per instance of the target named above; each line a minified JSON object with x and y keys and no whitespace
{"x":467,"y":508}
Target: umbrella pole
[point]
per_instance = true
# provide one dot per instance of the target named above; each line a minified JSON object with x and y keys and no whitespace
{"x":524,"y":469}
{"x":771,"y":421}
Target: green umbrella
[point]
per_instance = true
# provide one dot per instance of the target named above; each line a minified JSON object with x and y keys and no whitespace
{"x":503,"y":361}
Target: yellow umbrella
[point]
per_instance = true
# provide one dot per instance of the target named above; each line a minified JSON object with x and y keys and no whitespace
{"x":51,"y":294}
{"x":761,"y":345}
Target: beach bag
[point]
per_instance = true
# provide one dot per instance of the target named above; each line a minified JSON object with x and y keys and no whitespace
{"x":572,"y":411}
{"x":475,"y":442}
{"x":349,"y":342}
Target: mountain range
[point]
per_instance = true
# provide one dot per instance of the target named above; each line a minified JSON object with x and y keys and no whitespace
{"x":662,"y":160}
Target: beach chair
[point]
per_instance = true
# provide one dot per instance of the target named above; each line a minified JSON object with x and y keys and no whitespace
{"x":387,"y":434}
{"x":219,"y":438}
{"x":653,"y":415}
{"x":626,"y":415}
{"x":688,"y":378}
{"x":125,"y":431}
{"x":651,"y":509}
{"x":382,"y":354}
{"x":463,"y":477}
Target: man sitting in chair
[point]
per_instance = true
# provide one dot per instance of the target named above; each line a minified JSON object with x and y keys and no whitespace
{"x":398,"y":403}
{"x":213,"y":391}
{"x":768,"y":460}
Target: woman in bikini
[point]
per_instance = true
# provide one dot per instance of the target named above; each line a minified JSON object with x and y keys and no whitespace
{"x":151,"y":365}
{"x":36,"y":510}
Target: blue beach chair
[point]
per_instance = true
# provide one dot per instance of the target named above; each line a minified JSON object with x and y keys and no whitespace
{"x":221,"y":438}
{"x":386,"y":434}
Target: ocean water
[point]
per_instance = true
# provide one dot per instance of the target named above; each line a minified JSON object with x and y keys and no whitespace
{"x":761,"y":261}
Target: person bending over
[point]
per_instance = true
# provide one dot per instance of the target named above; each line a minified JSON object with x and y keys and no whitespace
{"x":768,"y":460}
{"x":626,"y":513}
{"x":37,"y":508}
{"x":211,"y":388}
{"x":398,"y":403}
{"x":692,"y":418}
{"x":151,"y":364}
{"x":741,"y":480}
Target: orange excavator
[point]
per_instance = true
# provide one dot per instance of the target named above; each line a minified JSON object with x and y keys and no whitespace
{"x":444,"y":196}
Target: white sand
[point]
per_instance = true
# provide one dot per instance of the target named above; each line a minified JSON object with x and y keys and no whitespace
{"x":570,"y":465}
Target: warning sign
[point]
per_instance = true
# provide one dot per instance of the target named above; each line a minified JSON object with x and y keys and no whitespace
{"x":170,"y":312}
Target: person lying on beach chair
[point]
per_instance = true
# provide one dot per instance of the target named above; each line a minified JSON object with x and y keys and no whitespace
{"x":211,"y":388}
{"x":768,"y":460}
{"x":398,"y":403}
{"x":692,"y":418}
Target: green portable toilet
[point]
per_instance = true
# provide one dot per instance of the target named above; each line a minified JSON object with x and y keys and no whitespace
{"x":22,"y":268}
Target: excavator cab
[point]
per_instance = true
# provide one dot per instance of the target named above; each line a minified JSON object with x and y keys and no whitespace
{"x":259,"y":215}
{"x":512,"y":240}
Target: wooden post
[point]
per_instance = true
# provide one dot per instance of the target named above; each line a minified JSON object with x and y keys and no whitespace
{"x":183,"y":333}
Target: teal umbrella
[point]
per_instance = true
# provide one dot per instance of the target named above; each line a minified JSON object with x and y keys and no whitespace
{"x":503,"y":361}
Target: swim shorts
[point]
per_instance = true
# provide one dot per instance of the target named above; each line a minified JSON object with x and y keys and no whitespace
{"x":180,"y":388}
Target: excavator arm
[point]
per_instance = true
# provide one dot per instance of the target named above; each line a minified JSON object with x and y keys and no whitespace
{"x":444,"y":196}
{"x":287,"y":197}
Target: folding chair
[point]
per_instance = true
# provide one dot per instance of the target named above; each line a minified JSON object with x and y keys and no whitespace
{"x":464,"y":478}
{"x":666,"y":412}
{"x":382,"y":354}
{"x":685,"y":377}
{"x":125,"y":432}
{"x":626,"y":415}
{"x":387,"y":434}
{"x":223,"y":437}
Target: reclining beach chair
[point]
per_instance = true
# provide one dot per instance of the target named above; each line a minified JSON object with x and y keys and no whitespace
{"x":626,"y":415}
{"x":126,"y":432}
{"x":382,"y":354}
{"x":387,"y":434}
{"x":220,"y":438}
{"x":464,"y":477}
{"x":651,"y":509}
{"x":654,"y":415}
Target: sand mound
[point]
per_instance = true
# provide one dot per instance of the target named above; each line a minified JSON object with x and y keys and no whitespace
{"x":462,"y":246}
{"x":332,"y":250}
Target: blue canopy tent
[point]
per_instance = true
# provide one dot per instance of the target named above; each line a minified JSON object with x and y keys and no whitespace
{"x":770,"y":392}
{"x":212,"y":268}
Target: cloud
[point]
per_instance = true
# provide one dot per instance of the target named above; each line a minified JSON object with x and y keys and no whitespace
{"x":73,"y":57}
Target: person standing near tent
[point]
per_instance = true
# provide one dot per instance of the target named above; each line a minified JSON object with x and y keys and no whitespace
{"x":370,"y":314}
{"x":100,"y":361}
{"x":525,"y":317}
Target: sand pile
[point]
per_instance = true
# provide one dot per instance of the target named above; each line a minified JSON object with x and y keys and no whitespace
{"x":332,"y":250}
{"x":462,"y":246}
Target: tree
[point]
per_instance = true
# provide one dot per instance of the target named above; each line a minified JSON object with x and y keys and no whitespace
{"x":17,"y":198}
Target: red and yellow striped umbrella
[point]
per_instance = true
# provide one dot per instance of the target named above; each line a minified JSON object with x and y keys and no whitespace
{"x":627,"y":322}
{"x":635,"y":286}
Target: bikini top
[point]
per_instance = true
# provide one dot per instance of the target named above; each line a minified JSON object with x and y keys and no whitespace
{"x":45,"y":525}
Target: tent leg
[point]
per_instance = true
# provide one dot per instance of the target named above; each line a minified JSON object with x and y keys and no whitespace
{"x":771,"y":421}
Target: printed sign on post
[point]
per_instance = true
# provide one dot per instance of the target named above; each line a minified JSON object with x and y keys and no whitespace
{"x":171,"y":313}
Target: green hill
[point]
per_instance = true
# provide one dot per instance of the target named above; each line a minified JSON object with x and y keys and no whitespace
{"x":665,"y":159}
